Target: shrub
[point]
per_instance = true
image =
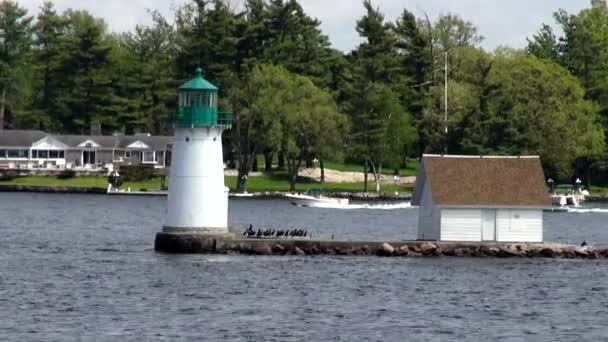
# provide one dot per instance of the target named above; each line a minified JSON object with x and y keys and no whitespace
{"x":136,"y":173}
{"x":66,"y":174}
{"x":115,"y":180}
{"x":8,"y":175}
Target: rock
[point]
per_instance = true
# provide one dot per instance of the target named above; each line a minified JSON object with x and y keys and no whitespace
{"x":492,"y":251}
{"x":298,"y":251}
{"x":507,"y":252}
{"x":428,"y":248}
{"x":278,"y":248}
{"x":460,"y":252}
{"x":547,"y":252}
{"x":402,"y":251}
{"x":603,"y":253}
{"x":262,"y":249}
{"x":387,"y":248}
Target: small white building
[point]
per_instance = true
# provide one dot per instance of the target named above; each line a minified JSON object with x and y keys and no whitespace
{"x":480,"y":198}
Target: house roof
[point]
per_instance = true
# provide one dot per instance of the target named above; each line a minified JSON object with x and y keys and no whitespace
{"x":117,"y":141}
{"x":483,"y":180}
{"x":19,"y":138}
{"x":27,"y":138}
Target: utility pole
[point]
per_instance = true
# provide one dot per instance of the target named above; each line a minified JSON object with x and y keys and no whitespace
{"x":445,"y":98}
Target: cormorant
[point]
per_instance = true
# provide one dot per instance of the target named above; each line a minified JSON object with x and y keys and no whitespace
{"x":584,"y":243}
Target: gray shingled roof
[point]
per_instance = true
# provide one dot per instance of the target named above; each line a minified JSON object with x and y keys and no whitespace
{"x":483,"y":181}
{"x":25,"y":138}
{"x":19,"y":138}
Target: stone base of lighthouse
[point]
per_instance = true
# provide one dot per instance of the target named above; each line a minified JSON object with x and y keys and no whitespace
{"x":190,"y":242}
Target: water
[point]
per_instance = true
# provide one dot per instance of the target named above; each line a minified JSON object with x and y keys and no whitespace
{"x":82,"y":268}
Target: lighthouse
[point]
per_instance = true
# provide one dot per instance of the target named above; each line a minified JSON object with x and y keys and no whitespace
{"x":198,"y":198}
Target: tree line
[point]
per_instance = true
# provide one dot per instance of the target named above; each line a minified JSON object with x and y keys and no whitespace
{"x":296,"y":98}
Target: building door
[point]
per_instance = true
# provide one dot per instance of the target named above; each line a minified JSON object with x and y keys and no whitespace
{"x":88,"y":157}
{"x":488,"y":224}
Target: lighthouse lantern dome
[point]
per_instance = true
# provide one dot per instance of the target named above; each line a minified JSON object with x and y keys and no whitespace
{"x":197,"y":102}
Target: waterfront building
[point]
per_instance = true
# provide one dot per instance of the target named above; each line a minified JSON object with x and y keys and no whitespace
{"x":480,"y":198}
{"x":35,"y":150}
{"x":198,"y":198}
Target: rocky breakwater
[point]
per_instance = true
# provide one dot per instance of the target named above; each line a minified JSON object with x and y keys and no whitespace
{"x":191,"y":243}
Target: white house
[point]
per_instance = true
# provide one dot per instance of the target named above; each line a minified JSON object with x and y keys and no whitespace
{"x":480,"y":198}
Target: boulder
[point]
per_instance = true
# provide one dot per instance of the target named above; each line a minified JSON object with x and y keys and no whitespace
{"x":262,"y":249}
{"x":428,"y":248}
{"x":298,"y":251}
{"x":509,"y":251}
{"x":402,"y":251}
{"x":547,"y":252}
{"x":387,"y":248}
{"x":278,"y":248}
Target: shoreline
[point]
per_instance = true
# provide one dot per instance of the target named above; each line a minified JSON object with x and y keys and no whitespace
{"x":356,"y":196}
{"x":191,"y":243}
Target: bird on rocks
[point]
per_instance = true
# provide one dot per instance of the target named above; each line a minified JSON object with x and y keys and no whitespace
{"x":584,"y":243}
{"x":259,"y":234}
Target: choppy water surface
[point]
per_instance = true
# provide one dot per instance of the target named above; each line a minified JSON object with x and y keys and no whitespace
{"x":82,"y":268}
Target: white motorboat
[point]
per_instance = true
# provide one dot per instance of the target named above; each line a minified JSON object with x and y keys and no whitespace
{"x":563,"y":200}
{"x":571,"y":197}
{"x":314,"y":199}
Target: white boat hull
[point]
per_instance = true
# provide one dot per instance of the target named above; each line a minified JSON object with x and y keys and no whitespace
{"x":317,"y":202}
{"x":563,"y":200}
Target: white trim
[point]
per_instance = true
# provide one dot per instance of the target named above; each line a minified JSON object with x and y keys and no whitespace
{"x":88,"y":141}
{"x":138,"y":144}
{"x":48,"y":143}
{"x":143,"y":154}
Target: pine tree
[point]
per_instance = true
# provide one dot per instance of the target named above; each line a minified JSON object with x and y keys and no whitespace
{"x":15,"y":43}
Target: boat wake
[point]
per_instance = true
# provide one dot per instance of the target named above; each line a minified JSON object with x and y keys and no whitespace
{"x":588,"y":210}
{"x":377,"y":206}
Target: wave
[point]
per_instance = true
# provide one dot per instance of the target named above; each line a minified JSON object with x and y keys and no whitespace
{"x":373,"y":206}
{"x":588,"y":210}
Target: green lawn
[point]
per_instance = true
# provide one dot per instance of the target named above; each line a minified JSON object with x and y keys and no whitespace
{"x":277,"y":182}
{"x":410,"y":170}
{"x":84,"y":181}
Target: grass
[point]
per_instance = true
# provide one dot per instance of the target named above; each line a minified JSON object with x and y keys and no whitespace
{"x":276,"y":182}
{"x":279,"y":182}
{"x":410,"y":170}
{"x":84,"y":181}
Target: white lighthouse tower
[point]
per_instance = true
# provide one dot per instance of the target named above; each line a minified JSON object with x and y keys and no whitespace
{"x":198,"y":198}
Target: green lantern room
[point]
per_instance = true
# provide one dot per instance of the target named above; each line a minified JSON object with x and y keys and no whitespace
{"x":197,"y":104}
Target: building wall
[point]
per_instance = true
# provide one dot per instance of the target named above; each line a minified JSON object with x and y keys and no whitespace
{"x":104,"y":156}
{"x":461,"y":224}
{"x":73,"y":157}
{"x":519,"y":225}
{"x":429,"y":215}
{"x":512,"y":225}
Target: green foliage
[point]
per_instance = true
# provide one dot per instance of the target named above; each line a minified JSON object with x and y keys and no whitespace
{"x":287,"y":87}
{"x":286,"y":112}
{"x":136,"y":173}
{"x":66,"y":174}
{"x":15,"y":44}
